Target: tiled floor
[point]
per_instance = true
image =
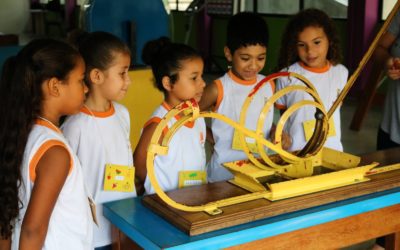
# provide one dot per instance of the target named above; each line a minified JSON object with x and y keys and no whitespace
{"x":363,"y":141}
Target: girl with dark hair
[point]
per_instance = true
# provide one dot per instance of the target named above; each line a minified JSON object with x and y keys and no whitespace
{"x":178,"y":71}
{"x":310,"y":48}
{"x":99,"y":133}
{"x":42,"y":198}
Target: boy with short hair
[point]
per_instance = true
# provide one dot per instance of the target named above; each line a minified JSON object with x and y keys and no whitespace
{"x":245,"y":50}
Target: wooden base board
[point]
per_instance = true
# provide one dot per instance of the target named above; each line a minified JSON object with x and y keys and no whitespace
{"x":200,"y":222}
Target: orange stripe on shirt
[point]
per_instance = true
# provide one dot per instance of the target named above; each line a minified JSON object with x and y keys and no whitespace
{"x":280,"y":106}
{"x":39,"y":154}
{"x":220,"y":96}
{"x":272,"y":83}
{"x":316,"y":70}
{"x":156,"y":120}
{"x":104,"y":114}
{"x":241,"y":81}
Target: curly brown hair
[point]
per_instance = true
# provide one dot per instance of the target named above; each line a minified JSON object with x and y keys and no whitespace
{"x":306,"y":18}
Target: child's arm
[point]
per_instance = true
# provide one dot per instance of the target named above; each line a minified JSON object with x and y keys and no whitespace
{"x":209,"y":97}
{"x":5,"y":244}
{"x":140,"y":156}
{"x":286,"y":139}
{"x":51,"y":173}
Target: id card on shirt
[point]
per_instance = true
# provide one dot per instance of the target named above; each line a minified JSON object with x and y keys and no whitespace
{"x":119,"y":178}
{"x":309,"y":126}
{"x":192,"y":177}
{"x":251,"y":143}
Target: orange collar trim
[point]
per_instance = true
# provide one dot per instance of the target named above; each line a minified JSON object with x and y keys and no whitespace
{"x":168,"y":108}
{"x":104,"y":114}
{"x":48,"y":125}
{"x":316,"y":70}
{"x":241,"y":81}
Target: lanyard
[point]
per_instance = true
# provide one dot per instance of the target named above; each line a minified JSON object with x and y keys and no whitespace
{"x":128,"y":144}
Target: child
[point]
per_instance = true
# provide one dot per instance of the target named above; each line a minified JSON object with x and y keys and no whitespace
{"x":387,"y":54}
{"x":178,"y":71}
{"x":43,"y":200}
{"x":310,"y":48}
{"x":99,"y":134}
{"x":246,"y":50}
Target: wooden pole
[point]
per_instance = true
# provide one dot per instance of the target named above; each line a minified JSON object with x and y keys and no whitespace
{"x":364,"y":60}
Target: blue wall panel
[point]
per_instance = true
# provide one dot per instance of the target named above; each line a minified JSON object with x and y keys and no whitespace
{"x":115,"y":16}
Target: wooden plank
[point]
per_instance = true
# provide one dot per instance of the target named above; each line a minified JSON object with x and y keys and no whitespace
{"x":200,"y":222}
{"x":335,"y":234}
{"x":121,"y":242}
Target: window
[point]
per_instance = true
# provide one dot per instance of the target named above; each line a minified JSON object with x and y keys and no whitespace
{"x":286,"y":7}
{"x":180,"y":5}
{"x":334,"y":8}
{"x":387,"y":6}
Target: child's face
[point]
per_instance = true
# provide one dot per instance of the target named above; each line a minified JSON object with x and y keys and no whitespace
{"x":116,"y":79}
{"x":190,"y":83}
{"x":247,"y":61}
{"x":312,"y":47}
{"x":74,"y":89}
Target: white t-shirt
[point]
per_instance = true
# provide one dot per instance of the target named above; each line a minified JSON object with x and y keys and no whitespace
{"x":232,"y":92}
{"x":329,"y":82}
{"x":185,"y":152}
{"x":391,"y":112}
{"x":98,"y":140}
{"x":71,"y":223}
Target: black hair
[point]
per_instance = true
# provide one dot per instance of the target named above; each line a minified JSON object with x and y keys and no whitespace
{"x":98,"y":49}
{"x":307,"y":18}
{"x":20,"y":104}
{"x":165,"y":59}
{"x":245,"y":29}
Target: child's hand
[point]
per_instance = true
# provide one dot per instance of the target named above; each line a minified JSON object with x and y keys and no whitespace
{"x":393,"y":68}
{"x":286,"y":139}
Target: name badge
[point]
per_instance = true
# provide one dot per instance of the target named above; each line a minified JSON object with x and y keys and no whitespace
{"x":309,"y":126}
{"x":192,"y":177}
{"x":251,"y":143}
{"x":119,"y":178}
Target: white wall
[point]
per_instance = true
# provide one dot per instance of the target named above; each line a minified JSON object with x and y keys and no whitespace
{"x":14,"y":16}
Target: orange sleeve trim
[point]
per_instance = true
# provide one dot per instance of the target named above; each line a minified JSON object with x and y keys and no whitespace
{"x":40,"y":152}
{"x":152,"y":120}
{"x":272,"y":83}
{"x":155,"y":120}
{"x":280,"y":106}
{"x":220,"y":96}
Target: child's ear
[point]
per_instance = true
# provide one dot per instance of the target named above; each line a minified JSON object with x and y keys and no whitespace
{"x":53,"y":87}
{"x":228,"y":54}
{"x":166,"y":82}
{"x":96,"y":76}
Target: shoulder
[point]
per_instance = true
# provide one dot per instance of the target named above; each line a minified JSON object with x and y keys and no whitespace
{"x":121,"y":110}
{"x":340,"y":69}
{"x":74,"y":120}
{"x":295,"y":67}
{"x":155,"y":118}
{"x":75,"y":125}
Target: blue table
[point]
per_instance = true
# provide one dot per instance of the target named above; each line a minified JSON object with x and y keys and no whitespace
{"x":150,"y":231}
